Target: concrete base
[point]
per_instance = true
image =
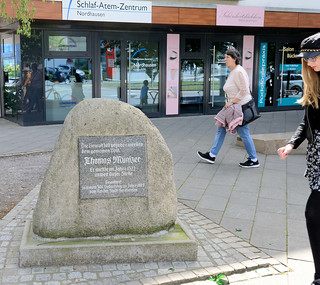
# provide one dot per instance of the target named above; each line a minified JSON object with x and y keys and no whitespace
{"x":269,"y":143}
{"x":177,"y":245}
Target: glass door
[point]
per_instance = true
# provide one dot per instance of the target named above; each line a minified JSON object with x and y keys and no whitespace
{"x":191,"y":86}
{"x":130,"y":72}
{"x":142,"y":82}
{"x":110,"y":67}
{"x":218,"y":73}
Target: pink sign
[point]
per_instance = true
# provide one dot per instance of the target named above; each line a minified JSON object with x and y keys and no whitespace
{"x":228,"y":15}
{"x":247,"y":55}
{"x":173,"y":57}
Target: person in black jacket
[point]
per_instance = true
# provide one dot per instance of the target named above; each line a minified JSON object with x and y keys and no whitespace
{"x":309,"y":129}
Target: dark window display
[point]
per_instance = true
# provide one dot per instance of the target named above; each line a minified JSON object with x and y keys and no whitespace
{"x":192,"y":45}
{"x":67,"y":83}
{"x":31,"y":85}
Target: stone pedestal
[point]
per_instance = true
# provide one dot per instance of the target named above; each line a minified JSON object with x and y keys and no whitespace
{"x":177,"y":245}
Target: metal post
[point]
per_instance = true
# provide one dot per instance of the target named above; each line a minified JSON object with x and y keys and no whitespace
{"x":281,"y":81}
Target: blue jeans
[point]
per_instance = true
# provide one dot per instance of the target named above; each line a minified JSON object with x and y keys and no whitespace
{"x":245,"y":136}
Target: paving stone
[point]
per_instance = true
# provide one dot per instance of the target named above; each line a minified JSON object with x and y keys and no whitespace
{"x":133,"y":283}
{"x":148,"y":281}
{"x":59,"y":276}
{"x":89,"y":275}
{"x":26,"y":277}
{"x":43,"y":277}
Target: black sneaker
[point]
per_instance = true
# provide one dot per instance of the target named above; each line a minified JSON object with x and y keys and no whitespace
{"x":249,"y":164}
{"x":206,"y":156}
{"x":316,"y":282}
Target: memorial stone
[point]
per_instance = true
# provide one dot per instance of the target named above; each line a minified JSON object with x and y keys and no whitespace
{"x":111,"y":173}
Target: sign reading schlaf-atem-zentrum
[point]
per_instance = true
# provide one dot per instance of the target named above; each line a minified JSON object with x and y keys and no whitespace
{"x":112,"y":167}
{"x":107,"y":11}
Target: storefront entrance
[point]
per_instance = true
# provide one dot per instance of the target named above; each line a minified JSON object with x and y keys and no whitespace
{"x":62,"y":68}
{"x":275,"y":74}
{"x":203,"y":73}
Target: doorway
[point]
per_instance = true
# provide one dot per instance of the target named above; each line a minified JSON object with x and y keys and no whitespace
{"x":218,"y":74}
{"x":130,"y":72}
{"x":203,"y":73}
{"x":191,"y":86}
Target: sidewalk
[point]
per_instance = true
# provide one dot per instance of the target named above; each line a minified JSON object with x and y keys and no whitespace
{"x":249,"y":222}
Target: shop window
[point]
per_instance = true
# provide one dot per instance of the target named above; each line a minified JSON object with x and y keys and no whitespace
{"x":193,"y":45}
{"x":31,"y":87}
{"x":110,"y":66}
{"x":67,"y":83}
{"x":280,"y":82}
{"x":143,"y":75}
{"x":10,"y":55}
{"x":290,"y":78}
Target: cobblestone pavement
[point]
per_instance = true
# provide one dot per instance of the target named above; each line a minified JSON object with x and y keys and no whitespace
{"x":206,"y":194}
{"x":220,"y":251}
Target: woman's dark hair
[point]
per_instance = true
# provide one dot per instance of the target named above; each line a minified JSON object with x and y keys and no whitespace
{"x":235,"y":54}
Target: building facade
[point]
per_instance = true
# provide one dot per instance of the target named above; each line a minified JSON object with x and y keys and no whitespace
{"x":165,"y":58}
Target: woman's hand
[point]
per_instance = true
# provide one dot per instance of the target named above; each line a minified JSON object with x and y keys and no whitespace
{"x":228,"y":104}
{"x":283,"y":152}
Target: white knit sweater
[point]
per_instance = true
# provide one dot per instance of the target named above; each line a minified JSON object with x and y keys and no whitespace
{"x":237,"y":85}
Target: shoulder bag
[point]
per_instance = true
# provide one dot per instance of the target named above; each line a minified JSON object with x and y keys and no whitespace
{"x":250,"y":112}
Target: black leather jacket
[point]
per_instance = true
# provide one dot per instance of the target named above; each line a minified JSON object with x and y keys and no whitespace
{"x":305,"y":130}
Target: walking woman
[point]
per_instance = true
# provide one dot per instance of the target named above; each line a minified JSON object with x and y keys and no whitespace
{"x":309,"y":129}
{"x":237,"y":92}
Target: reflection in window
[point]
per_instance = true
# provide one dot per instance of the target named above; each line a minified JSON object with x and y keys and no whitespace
{"x":192,"y":86}
{"x":219,"y":71}
{"x":143,"y":75}
{"x":193,"y":45}
{"x":67,"y":83}
{"x":11,"y":70}
{"x":291,"y":83}
{"x":110,"y":58}
{"x":8,"y":45}
{"x":67,"y":43}
{"x":32,"y":78}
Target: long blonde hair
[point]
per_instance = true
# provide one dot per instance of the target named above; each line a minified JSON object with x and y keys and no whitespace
{"x":311,"y":87}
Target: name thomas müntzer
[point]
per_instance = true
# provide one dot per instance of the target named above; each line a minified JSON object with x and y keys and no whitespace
{"x":109,"y":160}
